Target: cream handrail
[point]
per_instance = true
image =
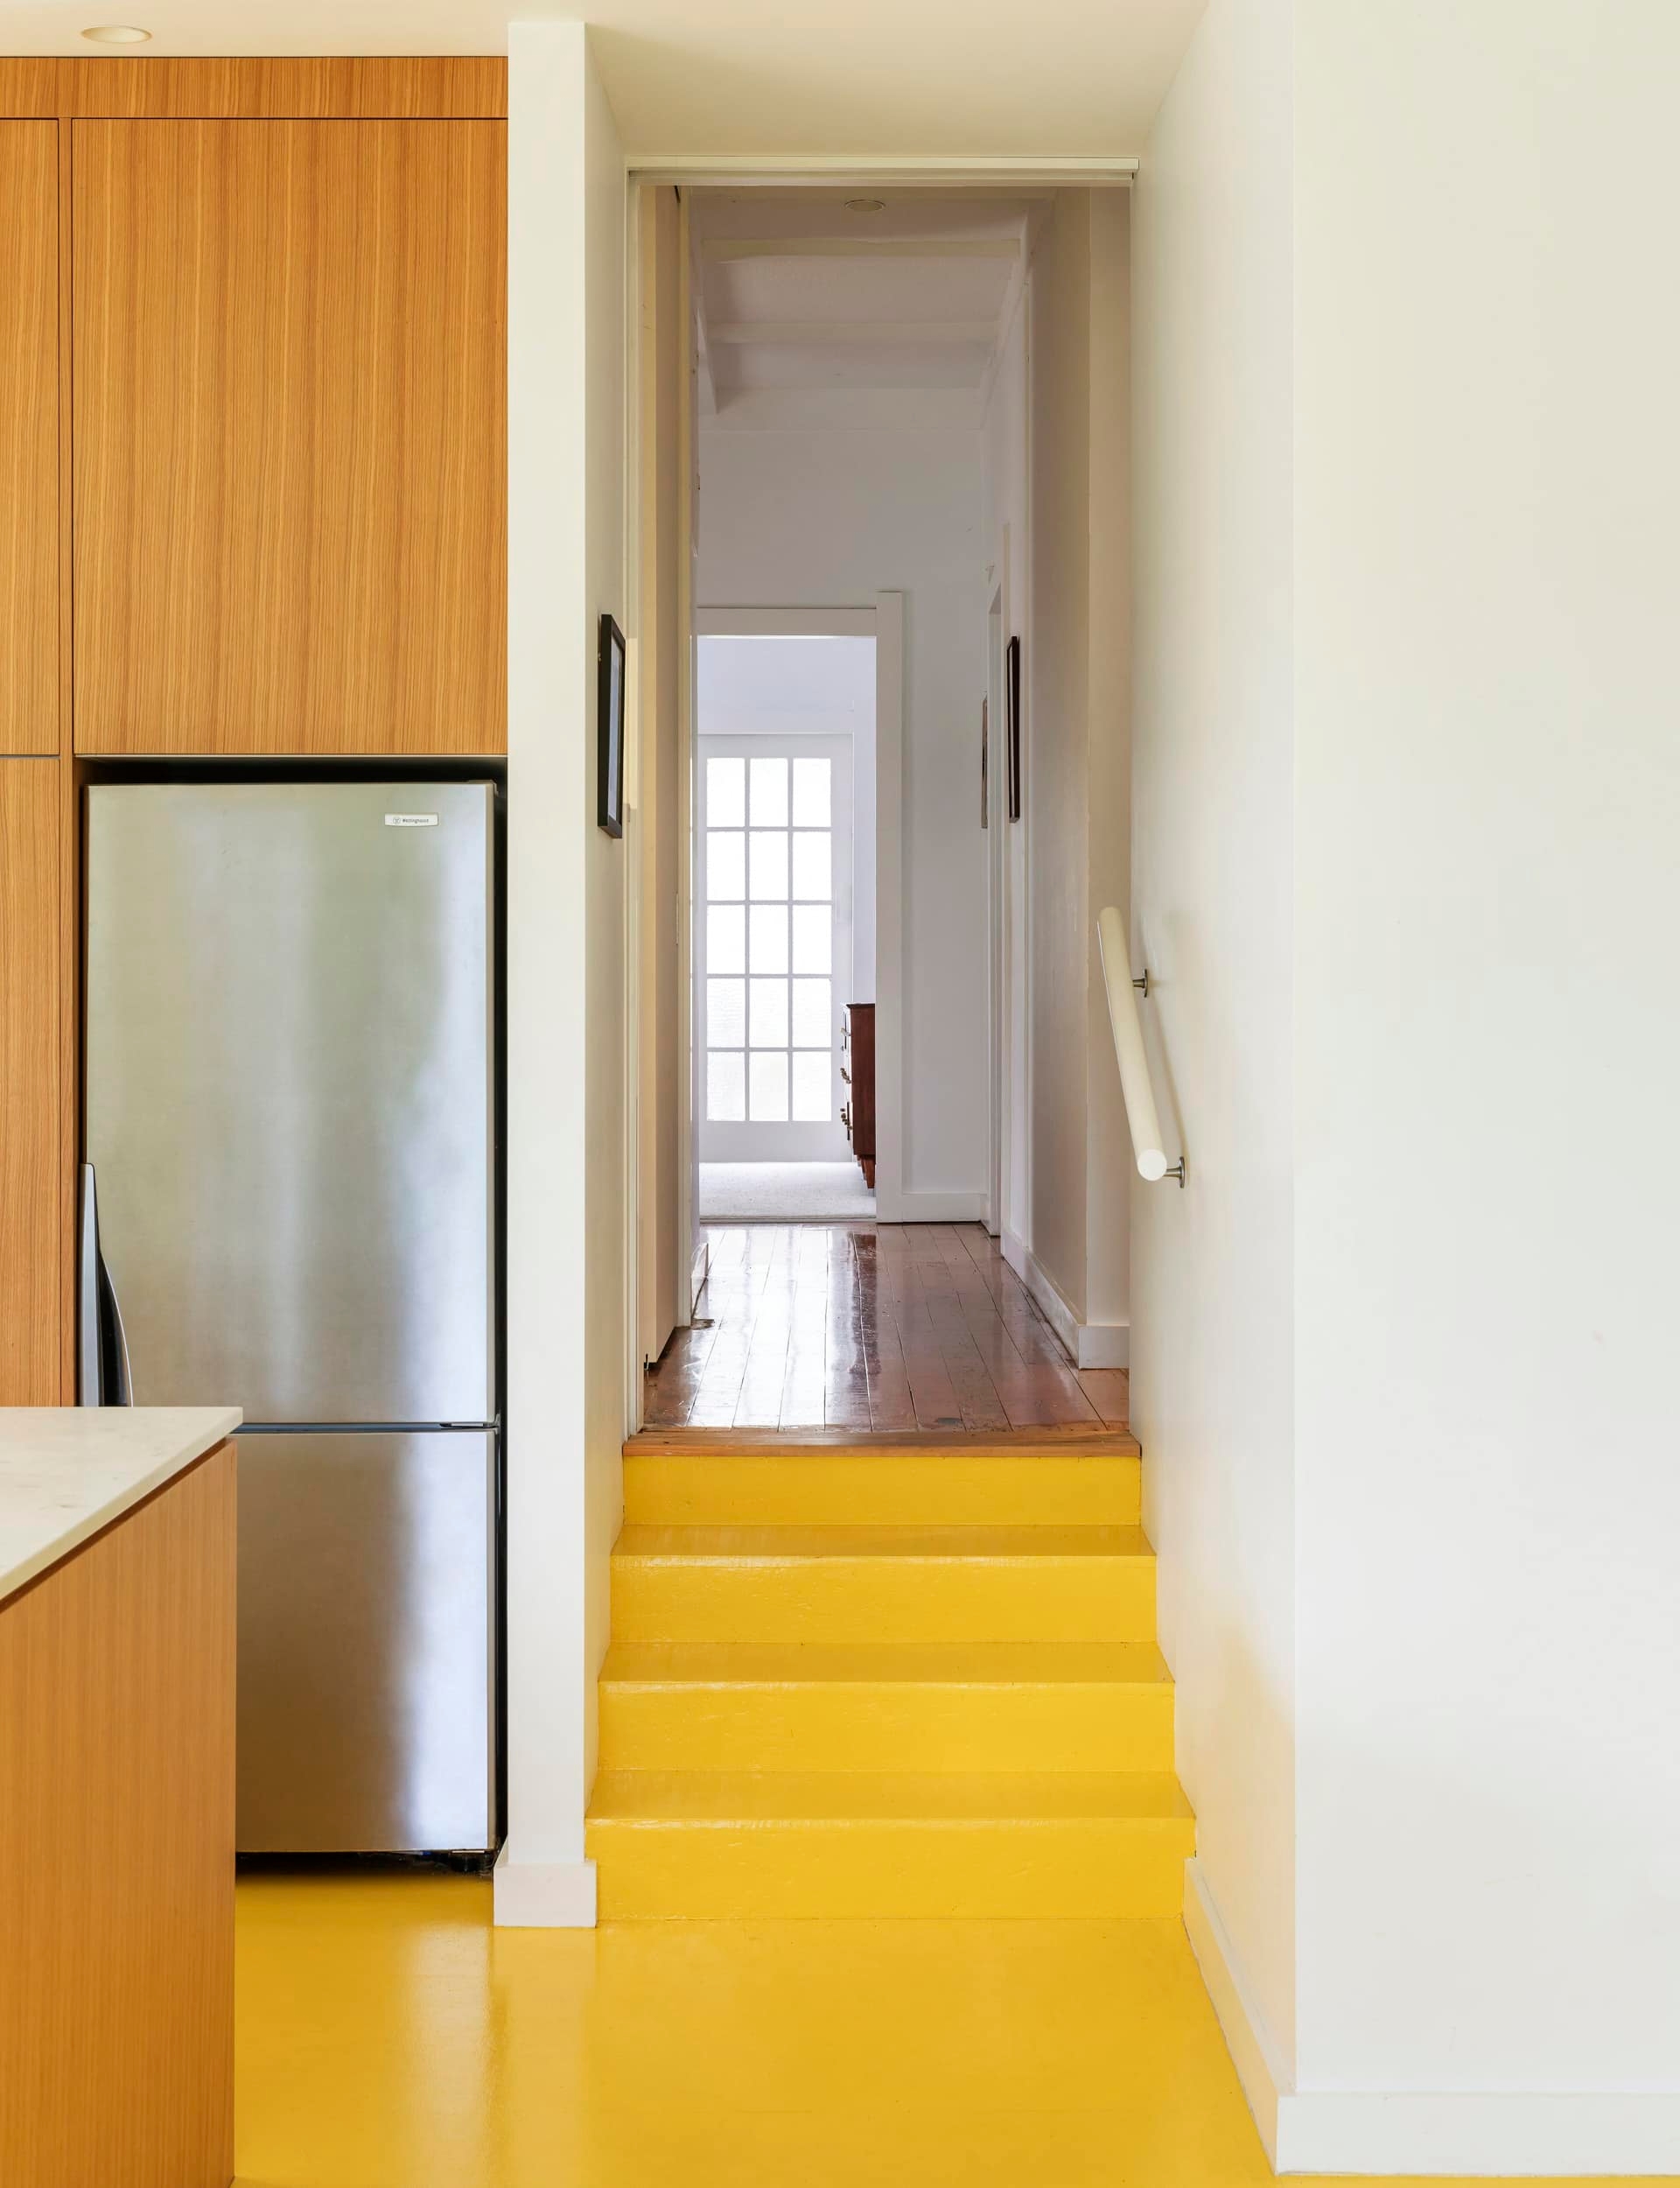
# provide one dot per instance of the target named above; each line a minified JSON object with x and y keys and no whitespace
{"x":1129,"y":1048}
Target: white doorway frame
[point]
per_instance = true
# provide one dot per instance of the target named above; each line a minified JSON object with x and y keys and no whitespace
{"x":884,"y":622}
{"x":728,"y":171}
{"x":996,"y":876}
{"x":574,"y":201}
{"x":791,"y":1138}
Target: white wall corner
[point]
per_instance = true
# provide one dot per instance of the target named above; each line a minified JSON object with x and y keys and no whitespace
{"x":890,"y":1133}
{"x":1494,"y":2133}
{"x":1089,"y":1344}
{"x":1105,"y":1345}
{"x":1252,"y":2052}
{"x":544,"y":1895}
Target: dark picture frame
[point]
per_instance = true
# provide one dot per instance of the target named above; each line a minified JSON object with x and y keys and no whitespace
{"x":1012,"y":699}
{"x":985,"y":763}
{"x":609,"y":729}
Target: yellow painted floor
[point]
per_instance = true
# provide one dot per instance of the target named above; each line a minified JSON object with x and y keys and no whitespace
{"x":389,"y":2038}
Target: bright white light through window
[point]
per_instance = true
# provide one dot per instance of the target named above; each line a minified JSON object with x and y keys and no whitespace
{"x":769,"y":937}
{"x":726,"y":1013}
{"x":769,"y":866}
{"x":726,"y":938}
{"x":813,"y":1014}
{"x":769,"y":794}
{"x":812,"y":938}
{"x":726,"y":1086}
{"x":813,"y":865}
{"x":811,"y":794}
{"x":767,"y":1086}
{"x":771,"y":1024}
{"x":769,"y":1013}
{"x":813,"y":1086}
{"x":726,"y":864}
{"x":727,"y":793}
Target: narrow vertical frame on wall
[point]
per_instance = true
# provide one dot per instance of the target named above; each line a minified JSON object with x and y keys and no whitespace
{"x":1013,"y":697}
{"x":609,"y":730}
{"x":985,"y":763}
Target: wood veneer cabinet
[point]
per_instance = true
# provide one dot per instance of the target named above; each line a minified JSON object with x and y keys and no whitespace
{"x":116,"y":1851}
{"x":30,"y":662}
{"x":31,"y":1033}
{"x":284,"y":469}
{"x":289,"y":353}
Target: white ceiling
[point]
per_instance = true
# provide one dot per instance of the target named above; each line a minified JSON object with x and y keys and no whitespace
{"x":794,"y":78}
{"x":812,"y":309}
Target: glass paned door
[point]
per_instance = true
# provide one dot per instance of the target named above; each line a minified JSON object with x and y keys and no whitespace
{"x":775,"y":966}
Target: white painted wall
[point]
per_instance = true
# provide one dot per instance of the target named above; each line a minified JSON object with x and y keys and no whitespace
{"x":1004,"y":466}
{"x":1108,"y":812}
{"x":565,"y":1400}
{"x":1488,"y":1049}
{"x":827,"y":518}
{"x":1213,"y":1337}
{"x":1055,"y":742}
{"x":1406,"y":428}
{"x":1054,"y":464}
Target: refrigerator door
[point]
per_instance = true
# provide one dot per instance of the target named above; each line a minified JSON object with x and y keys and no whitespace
{"x":289,"y":1093}
{"x":366,"y":1643}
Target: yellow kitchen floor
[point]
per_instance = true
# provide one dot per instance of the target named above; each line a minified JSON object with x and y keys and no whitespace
{"x":389,"y":2038}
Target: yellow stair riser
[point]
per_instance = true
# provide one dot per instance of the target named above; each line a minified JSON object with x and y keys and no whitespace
{"x":887,"y":1725}
{"x":817,"y":1489}
{"x":887,"y":1868}
{"x":870,"y":1598}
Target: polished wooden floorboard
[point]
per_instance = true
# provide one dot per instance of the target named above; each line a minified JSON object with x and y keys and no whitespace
{"x":884,"y":1330}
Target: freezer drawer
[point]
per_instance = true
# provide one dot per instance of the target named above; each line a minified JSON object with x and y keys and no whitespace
{"x":290,"y":1094}
{"x":366,"y":1647}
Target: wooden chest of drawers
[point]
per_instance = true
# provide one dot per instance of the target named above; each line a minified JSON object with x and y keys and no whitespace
{"x":858,"y":1071}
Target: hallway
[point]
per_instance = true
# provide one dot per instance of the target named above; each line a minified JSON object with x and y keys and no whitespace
{"x":891,"y":1329}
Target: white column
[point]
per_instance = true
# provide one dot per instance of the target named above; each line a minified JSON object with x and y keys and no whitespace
{"x":565,"y":1397}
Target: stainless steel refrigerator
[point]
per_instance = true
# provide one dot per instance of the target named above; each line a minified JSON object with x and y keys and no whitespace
{"x":289,"y":1205}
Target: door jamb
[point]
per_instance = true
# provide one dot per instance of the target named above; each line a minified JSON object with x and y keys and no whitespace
{"x":884,"y":624}
{"x":727,"y":171}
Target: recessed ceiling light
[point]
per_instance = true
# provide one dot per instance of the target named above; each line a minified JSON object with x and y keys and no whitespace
{"x":117,"y":34}
{"x":865,"y":204}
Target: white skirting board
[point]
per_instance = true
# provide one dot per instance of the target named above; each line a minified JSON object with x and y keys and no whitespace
{"x":1252,"y":2052}
{"x":544,"y":1895}
{"x":1478,"y":2132}
{"x":1090,"y":1344}
{"x":916,"y":1207}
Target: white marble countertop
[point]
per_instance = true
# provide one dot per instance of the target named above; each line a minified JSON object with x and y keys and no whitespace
{"x":66,"y":1471}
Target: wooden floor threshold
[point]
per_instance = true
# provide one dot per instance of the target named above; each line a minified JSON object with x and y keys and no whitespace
{"x":1068,"y":1439}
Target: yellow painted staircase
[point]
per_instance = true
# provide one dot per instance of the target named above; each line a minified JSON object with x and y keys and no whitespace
{"x":880,"y":1682}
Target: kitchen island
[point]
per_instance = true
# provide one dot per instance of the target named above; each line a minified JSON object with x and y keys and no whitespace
{"x":116,"y":1796}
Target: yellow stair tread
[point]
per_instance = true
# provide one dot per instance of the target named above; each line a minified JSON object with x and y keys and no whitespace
{"x":862,"y":1663}
{"x":729,"y":1798}
{"x":774,"y":1543}
{"x":886,"y":1457}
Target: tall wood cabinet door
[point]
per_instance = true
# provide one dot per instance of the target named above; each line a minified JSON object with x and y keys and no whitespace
{"x":291,"y":437}
{"x":30,"y":1084}
{"x":28,"y":436}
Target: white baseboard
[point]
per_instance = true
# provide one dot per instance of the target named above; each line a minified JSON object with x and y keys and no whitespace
{"x":544,"y":1895}
{"x":914,"y":1207}
{"x":1090,"y":1344}
{"x":1589,"y":2133}
{"x":1573,"y":2134}
{"x":1105,"y":1345}
{"x":1252,"y":2052}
